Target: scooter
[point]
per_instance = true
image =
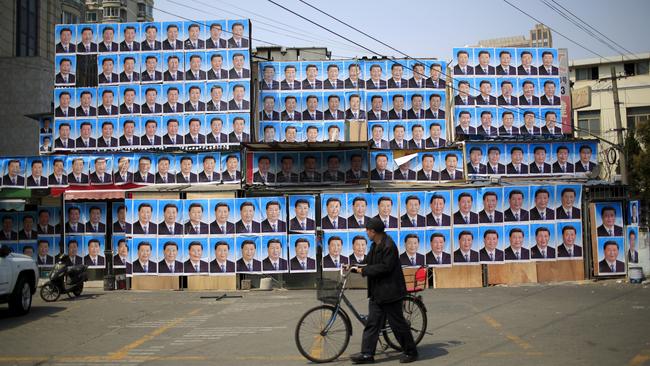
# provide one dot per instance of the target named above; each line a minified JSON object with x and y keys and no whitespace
{"x":64,"y":279}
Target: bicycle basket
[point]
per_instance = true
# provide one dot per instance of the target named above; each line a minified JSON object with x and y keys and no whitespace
{"x":327,"y":290}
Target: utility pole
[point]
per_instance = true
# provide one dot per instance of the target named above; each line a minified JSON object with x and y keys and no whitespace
{"x":619,"y":129}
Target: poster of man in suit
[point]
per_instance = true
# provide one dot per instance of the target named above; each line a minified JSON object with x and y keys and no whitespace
{"x":568,"y":202}
{"x":359,"y":205}
{"x":197,"y":255}
{"x":195,"y":217}
{"x":143,"y":260}
{"x":195,"y":35}
{"x":66,"y":35}
{"x":174,"y":33}
{"x":517,"y":240}
{"x":121,"y":250}
{"x":274,"y":249}
{"x":273,"y":216}
{"x":240,"y":65}
{"x":385,"y":206}
{"x":170,"y":251}
{"x":438,"y":254}
{"x":610,"y":257}
{"x":336,"y":250}
{"x":65,"y":69}
{"x":334,"y":212}
{"x":121,"y":225}
{"x":493,"y":244}
{"x":609,"y":219}
{"x":586,"y":157}
{"x":210,"y":168}
{"x":78,"y":169}
{"x":224,"y":255}
{"x":507,"y":58}
{"x":170,"y":212}
{"x":93,"y":250}
{"x":543,"y":199}
{"x":95,"y":217}
{"x":465,"y":207}
{"x":491,"y":211}
{"x":412,"y":210}
{"x":247,"y":215}
{"x":517,"y":201}
{"x":302,"y":213}
{"x":86,"y":38}
{"x":239,"y":33}
{"x":466,"y":245}
{"x":569,"y":240}
{"x":143,"y":217}
{"x":174,"y":66}
{"x":152,"y":67}
{"x":64,"y":102}
{"x":249,"y":249}
{"x":221,"y":216}
{"x":381,"y":165}
{"x":151,"y":40}
{"x":302,"y":251}
{"x":439,"y":208}
{"x":37,"y":171}
{"x":544,"y":239}
{"x":412,"y":248}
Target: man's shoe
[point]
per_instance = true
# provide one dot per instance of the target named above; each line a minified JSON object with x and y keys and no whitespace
{"x":408,"y":358}
{"x":362,"y":358}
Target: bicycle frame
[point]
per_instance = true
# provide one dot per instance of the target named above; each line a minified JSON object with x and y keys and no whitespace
{"x":342,"y":298}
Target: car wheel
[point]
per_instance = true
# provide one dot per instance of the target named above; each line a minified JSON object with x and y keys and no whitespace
{"x":21,"y":299}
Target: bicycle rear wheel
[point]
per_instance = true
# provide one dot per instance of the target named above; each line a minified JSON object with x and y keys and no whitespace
{"x":415,"y":315}
{"x":310,"y":340}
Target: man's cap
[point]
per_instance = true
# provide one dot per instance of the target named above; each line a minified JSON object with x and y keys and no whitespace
{"x":375,"y":224}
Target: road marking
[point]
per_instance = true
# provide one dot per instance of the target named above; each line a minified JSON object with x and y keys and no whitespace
{"x":511,"y":337}
{"x":317,"y":346}
{"x":640,"y":358}
{"x":124,"y":351}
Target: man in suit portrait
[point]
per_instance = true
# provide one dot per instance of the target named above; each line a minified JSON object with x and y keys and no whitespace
{"x":465,"y":253}
{"x":377,"y":140}
{"x":173,"y":105}
{"x":194,"y":135}
{"x":302,"y":221}
{"x":268,"y":81}
{"x":475,"y":165}
{"x":451,"y":171}
{"x":64,"y":109}
{"x":290,"y":82}
{"x":398,"y":142}
{"x":195,"y":264}
{"x":172,"y":42}
{"x":334,"y":259}
{"x":247,"y":262}
{"x":507,"y":128}
{"x":274,"y":260}
{"x":410,"y":257}
{"x":193,"y":42}
{"x":247,"y":224}
{"x":71,"y":257}
{"x":562,"y":165}
{"x":462,"y":67}
{"x":151,"y":42}
{"x":359,"y":216}
{"x":87,"y":45}
{"x":129,"y":106}
{"x":484,"y":67}
{"x":494,"y":167}
{"x":333,"y":220}
{"x":74,"y":217}
{"x":263,"y":174}
{"x":232,"y":173}
{"x":539,"y":165}
{"x":528,"y":97}
{"x":542,"y":249}
{"x":43,"y":227}
{"x":108,"y":76}
{"x":150,"y":105}
{"x":396,"y":80}
{"x":44,"y":258}
{"x":220,"y":263}
{"x":129,"y":44}
{"x":506,"y":97}
{"x":516,"y":251}
{"x":608,"y":226}
{"x":311,"y":81}
{"x":78,"y":175}
{"x":310,"y":172}
{"x":209,"y":174}
{"x":427,"y":173}
{"x":526,"y":67}
{"x":437,"y":255}
{"x":377,"y":112}
{"x":121,"y":258}
{"x":465,"y":215}
{"x":397,"y":112}
{"x":333,"y":81}
{"x":356,"y":171}
{"x":585,"y":165}
{"x":333,"y":172}
{"x":435,"y":81}
{"x":486,"y":128}
{"x":550,"y":124}
{"x":129,"y":75}
{"x":270,"y":134}
{"x":46,"y":146}
{"x":354,"y":80}
{"x":541,"y":211}
{"x":95,"y":224}
{"x":515,"y":211}
{"x":170,"y":224}
{"x":404,"y":172}
{"x":216,"y":136}
{"x":169,"y":264}
{"x":237,"y":40}
{"x":385,"y":212}
{"x":144,"y":264}
{"x":194,"y":72}
{"x":144,"y":226}
{"x":375,"y":81}
{"x":418,"y":80}
{"x":302,"y":262}
{"x":107,"y":108}
{"x":355,"y":112}
{"x":93,"y":258}
{"x":416,"y":111}
{"x":150,"y":74}
{"x":150,"y":137}
{"x":268,"y":112}
{"x":128,"y":137}
{"x":435,"y":140}
{"x":123,"y":175}
{"x":333,"y":112}
{"x":567,"y":210}
{"x":434,"y":111}
{"x":529,"y":127}
{"x":36,"y":179}
{"x":569,"y":248}
{"x":359,"y":249}
{"x":217,"y":72}
{"x":28,"y":232}
{"x":195,"y":224}
{"x":239,"y":71}
{"x":464,"y":97}
{"x":273,"y":222}
{"x":490,"y":252}
{"x":485,"y":96}
{"x":380,"y":172}
{"x":290,"y":113}
{"x":143,"y":175}
{"x":8,"y":233}
{"x":632,"y":253}
{"x":85,"y":140}
{"x":547,"y":67}
{"x":58,"y":177}
{"x":173,"y":73}
{"x":221,"y":224}
{"x":238,"y":103}
{"x":417,"y":141}
{"x":611,"y":264}
{"x":65,"y":44}
{"x":172,"y":137}
{"x":46,"y":128}
{"x":65,"y":77}
{"x":238,"y":134}
{"x":412,"y":217}
{"x":215,"y":104}
{"x":489,"y":214}
{"x":215,"y":40}
{"x":549,"y":97}
{"x":504,"y":67}
{"x":120,"y":225}
{"x":194,"y":104}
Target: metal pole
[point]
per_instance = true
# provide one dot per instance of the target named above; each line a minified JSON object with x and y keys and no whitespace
{"x":109,"y":275}
{"x":619,"y":128}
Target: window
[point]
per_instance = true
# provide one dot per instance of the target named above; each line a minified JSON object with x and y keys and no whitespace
{"x":587,"y":73}
{"x":635,"y":68}
{"x":69,"y":18}
{"x":588,"y":123}
{"x":26,"y":27}
{"x":91,"y":17}
{"x":111,"y":12}
{"x":636,"y":116}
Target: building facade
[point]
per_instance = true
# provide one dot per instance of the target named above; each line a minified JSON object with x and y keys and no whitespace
{"x":539,"y":36}
{"x":118,"y":11}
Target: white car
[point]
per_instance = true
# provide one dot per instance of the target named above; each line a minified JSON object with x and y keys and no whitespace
{"x":18,"y":278}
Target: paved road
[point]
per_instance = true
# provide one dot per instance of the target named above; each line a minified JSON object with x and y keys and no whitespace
{"x":571,"y":324}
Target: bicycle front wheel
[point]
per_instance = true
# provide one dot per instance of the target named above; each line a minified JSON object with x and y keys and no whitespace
{"x":322,"y":334}
{"x":416,"y":317}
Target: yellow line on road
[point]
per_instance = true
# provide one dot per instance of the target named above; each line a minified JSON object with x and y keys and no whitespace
{"x":640,"y":358}
{"x":511,"y":337}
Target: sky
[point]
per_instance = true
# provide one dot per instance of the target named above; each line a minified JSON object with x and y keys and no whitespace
{"x":422,"y":28}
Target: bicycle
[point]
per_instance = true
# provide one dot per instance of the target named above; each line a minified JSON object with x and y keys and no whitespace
{"x":327,"y":328}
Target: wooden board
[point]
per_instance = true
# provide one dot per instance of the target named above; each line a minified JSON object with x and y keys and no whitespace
{"x":458,"y":277}
{"x":511,"y":273}
{"x":357,"y":131}
{"x":223,"y":283}
{"x":557,"y":271}
{"x":155,"y":283}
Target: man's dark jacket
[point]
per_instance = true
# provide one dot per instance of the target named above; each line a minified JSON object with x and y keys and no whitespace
{"x":384,"y":271}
